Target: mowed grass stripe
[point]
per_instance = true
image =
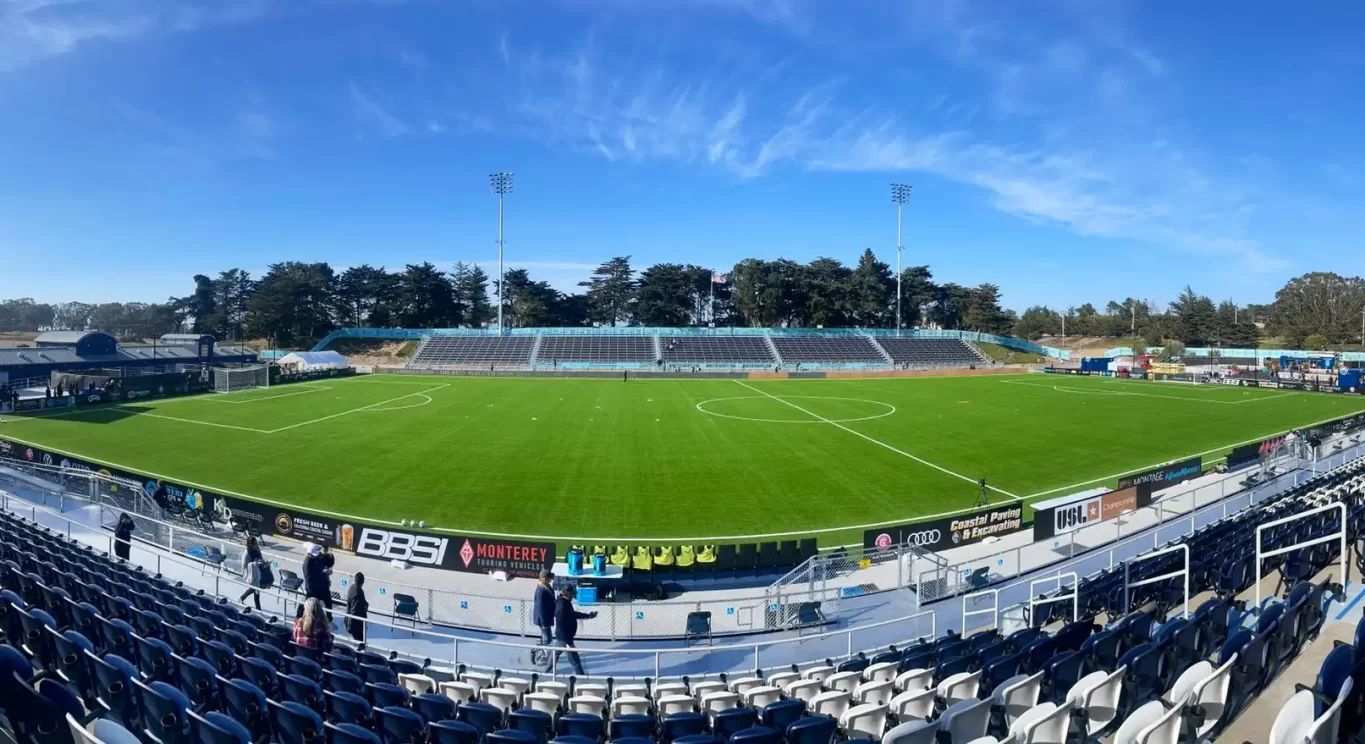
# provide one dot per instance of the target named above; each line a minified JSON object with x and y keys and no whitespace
{"x":639,"y":460}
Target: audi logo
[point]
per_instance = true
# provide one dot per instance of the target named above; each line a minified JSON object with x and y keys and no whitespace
{"x":927,"y":537}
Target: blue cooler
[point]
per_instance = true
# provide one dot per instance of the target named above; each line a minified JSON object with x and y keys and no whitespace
{"x":599,"y":564}
{"x":575,"y":560}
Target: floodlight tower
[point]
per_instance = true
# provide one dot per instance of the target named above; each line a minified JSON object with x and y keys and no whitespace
{"x":500,"y":184}
{"x":900,"y":194}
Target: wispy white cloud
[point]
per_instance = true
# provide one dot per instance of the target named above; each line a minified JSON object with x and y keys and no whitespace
{"x":374,"y":116}
{"x":34,"y":30}
{"x":1067,"y":157}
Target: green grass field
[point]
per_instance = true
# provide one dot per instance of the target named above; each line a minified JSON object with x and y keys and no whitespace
{"x":570,"y":458}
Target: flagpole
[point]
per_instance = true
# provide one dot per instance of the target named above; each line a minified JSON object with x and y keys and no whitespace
{"x":711,"y":309}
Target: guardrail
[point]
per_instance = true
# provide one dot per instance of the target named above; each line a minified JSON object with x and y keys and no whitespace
{"x":757,"y":612}
{"x":435,"y":645}
{"x":1013,"y":597}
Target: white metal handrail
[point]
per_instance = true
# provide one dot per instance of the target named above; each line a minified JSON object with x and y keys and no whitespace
{"x":7,"y":502}
{"x":1074,"y":596}
{"x":1340,"y":534}
{"x":1129,"y":584}
{"x":993,"y":610}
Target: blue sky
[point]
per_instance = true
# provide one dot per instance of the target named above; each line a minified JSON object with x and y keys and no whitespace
{"x":1068,"y":151}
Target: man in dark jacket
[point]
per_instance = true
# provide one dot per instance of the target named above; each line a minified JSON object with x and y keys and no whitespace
{"x":566,"y":627}
{"x":357,"y":607}
{"x":317,"y":581}
{"x":543,"y":614}
{"x":123,"y":535}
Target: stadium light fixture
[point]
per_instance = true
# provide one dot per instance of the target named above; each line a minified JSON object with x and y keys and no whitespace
{"x":500,"y":184}
{"x":900,"y":194}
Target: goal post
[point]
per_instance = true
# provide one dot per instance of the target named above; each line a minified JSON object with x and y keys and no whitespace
{"x":235,"y":379}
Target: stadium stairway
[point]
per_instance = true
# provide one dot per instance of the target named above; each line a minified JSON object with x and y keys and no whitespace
{"x":881,"y":350}
{"x":535,"y":351}
{"x":777,"y":355}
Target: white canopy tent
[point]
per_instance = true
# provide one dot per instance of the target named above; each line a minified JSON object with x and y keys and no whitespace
{"x":310,"y":361}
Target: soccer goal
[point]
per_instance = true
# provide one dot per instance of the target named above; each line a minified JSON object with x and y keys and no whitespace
{"x":231,"y":380}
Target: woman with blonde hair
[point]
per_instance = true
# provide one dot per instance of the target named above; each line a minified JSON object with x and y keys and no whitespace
{"x":311,"y":629}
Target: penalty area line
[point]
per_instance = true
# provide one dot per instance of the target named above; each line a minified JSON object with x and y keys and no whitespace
{"x":356,"y":410}
{"x":877,"y":442}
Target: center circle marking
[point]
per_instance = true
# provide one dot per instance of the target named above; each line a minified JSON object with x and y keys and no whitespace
{"x":890,"y":409}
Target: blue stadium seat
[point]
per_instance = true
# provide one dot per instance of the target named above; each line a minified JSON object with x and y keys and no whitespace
{"x":812,"y":730}
{"x":247,"y":704}
{"x":397,"y":725}
{"x":452,"y":732}
{"x":350,"y":733}
{"x":294,"y":723}
{"x":347,"y":707}
{"x":218,"y":728}
{"x":164,"y":712}
{"x":433,"y":707}
{"x":535,"y":722}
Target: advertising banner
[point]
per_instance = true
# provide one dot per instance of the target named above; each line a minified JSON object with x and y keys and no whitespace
{"x":43,"y":404}
{"x":948,"y":532}
{"x":1245,"y":455}
{"x":1061,"y":516}
{"x":1165,"y":476}
{"x":277,"y":377}
{"x":435,"y":550}
{"x":193,"y":498}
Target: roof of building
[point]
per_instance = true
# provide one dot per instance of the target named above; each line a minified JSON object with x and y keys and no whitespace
{"x":65,"y":337}
{"x":125,"y":354}
{"x":50,"y":355}
{"x":181,"y":338}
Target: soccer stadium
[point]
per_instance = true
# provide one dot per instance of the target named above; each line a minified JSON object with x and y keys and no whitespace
{"x":383,"y":372}
{"x":826,"y":534}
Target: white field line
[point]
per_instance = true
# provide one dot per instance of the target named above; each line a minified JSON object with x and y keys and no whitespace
{"x":356,"y":410}
{"x":201,"y":423}
{"x":220,"y":398}
{"x":590,"y":538}
{"x":877,"y":442}
{"x":1083,"y":391}
{"x":598,"y":538}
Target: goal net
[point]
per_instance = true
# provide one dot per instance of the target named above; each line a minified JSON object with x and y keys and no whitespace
{"x":240,"y":378}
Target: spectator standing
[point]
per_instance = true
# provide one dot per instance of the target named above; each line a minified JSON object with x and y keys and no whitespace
{"x":566,"y":627}
{"x":543,"y":614}
{"x":123,"y":536}
{"x":317,"y":579}
{"x":311,"y":628}
{"x":160,"y":498}
{"x":251,"y":571}
{"x":357,"y":607}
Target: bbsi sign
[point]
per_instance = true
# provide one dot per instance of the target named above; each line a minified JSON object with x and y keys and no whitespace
{"x":424,"y":550}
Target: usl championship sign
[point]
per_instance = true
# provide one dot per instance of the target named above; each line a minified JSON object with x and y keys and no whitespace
{"x":947,"y":532}
{"x":1060,"y":516}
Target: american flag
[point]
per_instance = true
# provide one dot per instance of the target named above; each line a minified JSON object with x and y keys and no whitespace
{"x":719,"y":279}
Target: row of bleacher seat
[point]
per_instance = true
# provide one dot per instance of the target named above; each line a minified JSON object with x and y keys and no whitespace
{"x":596,"y":349}
{"x":437,"y":351}
{"x":87,"y":636}
{"x":715,"y":350}
{"x":931,"y":352}
{"x":827,"y":350}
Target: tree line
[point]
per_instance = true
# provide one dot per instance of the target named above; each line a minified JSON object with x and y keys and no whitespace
{"x":295,"y":302}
